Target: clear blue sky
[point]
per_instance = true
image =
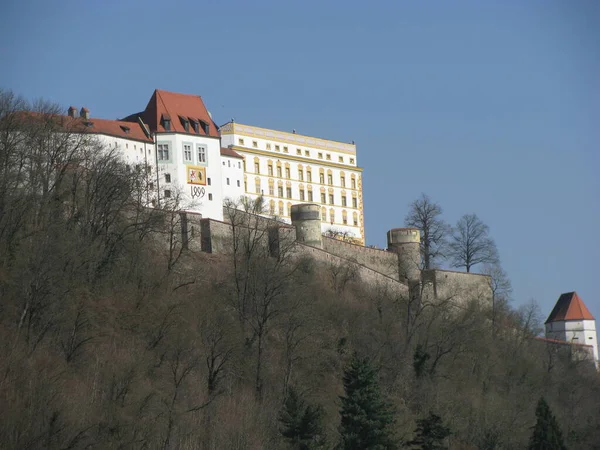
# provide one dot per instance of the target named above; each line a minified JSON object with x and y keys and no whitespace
{"x":491,"y":107}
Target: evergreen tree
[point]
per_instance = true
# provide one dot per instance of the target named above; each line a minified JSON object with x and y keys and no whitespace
{"x":546,"y":432}
{"x":430,"y":434}
{"x":302,"y":425}
{"x":365,"y":416}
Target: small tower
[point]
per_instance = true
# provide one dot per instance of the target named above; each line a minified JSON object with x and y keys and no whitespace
{"x":571,"y":321}
{"x":406,"y":243}
{"x":306,"y":218}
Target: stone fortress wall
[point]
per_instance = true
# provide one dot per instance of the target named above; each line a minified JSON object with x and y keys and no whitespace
{"x":396,"y":268}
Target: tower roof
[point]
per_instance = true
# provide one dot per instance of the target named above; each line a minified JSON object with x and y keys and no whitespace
{"x":569,"y":307}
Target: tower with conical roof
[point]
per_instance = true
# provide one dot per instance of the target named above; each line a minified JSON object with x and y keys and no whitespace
{"x":571,"y":321}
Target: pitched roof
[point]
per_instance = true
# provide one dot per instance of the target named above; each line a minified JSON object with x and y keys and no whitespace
{"x":226,"y":151}
{"x":569,"y":307}
{"x":117,"y":128}
{"x":177,"y":108}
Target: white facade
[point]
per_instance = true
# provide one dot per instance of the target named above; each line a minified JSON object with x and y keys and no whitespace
{"x":179,"y":156}
{"x":232,"y":178}
{"x":288,"y":168}
{"x":574,"y":331}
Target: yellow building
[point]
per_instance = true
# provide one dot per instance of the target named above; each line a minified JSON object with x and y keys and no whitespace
{"x":288,"y":168}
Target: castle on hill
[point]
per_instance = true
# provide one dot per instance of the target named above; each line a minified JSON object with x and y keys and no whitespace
{"x":311,"y":183}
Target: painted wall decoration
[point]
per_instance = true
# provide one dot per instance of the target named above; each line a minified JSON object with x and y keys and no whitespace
{"x":196,"y":175}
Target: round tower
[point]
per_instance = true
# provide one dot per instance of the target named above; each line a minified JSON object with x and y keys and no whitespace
{"x":406,"y":243}
{"x":306,"y":218}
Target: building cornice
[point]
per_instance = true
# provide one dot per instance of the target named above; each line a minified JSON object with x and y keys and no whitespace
{"x":284,"y":156}
{"x":299,"y":140}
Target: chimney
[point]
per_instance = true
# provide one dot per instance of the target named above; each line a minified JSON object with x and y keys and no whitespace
{"x":85,"y":113}
{"x":72,"y":111}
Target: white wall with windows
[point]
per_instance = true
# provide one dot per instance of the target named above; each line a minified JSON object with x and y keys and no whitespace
{"x":233,"y":177}
{"x":175,"y":154}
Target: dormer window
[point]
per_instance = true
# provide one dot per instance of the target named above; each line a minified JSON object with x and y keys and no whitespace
{"x":125,"y":129}
{"x":166,"y":122}
{"x":205,"y":127}
{"x":185,"y":123}
{"x":195,"y":125}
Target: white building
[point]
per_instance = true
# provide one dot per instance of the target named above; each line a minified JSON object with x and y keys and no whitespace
{"x":288,"y":168}
{"x":571,"y":321}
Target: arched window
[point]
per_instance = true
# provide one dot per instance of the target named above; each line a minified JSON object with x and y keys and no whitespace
{"x":344,"y":217}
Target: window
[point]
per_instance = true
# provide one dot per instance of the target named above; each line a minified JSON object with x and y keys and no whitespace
{"x":329,"y":179}
{"x":257,"y":186}
{"x":268,"y":146}
{"x":332,"y":215}
{"x":353,"y":183}
{"x":208,"y":181}
{"x":351,"y":160}
{"x":354,"y":202}
{"x":245,"y":186}
{"x":223,"y":163}
{"x":281,"y":212}
{"x":340,"y":159}
{"x":238,"y":183}
{"x":345,"y":220}
{"x":343,"y":181}
{"x":195,"y":125}
{"x":201,"y":154}
{"x":187,"y":152}
{"x":331,"y":199}
{"x":239,"y":165}
{"x":255,"y":144}
{"x":272,"y":207}
{"x":344,"y":200}
{"x":241,"y":141}
{"x":279,"y":172}
{"x":210,"y":197}
{"x":148,"y":169}
{"x":298,"y":151}
{"x":277,"y":148}
{"x":288,"y":192}
{"x":167,"y":193}
{"x":310,"y":196}
{"x":285,"y":149}
{"x":228,"y":163}
{"x":323,"y":197}
{"x":256,"y":167}
{"x":163,"y":152}
{"x":227,"y":181}
{"x":306,"y":153}
{"x":300,"y":175}
{"x":271,"y":189}
{"x":322,"y":178}
{"x":302,"y":194}
{"x":167,"y":177}
{"x":355,"y":221}
{"x":309,"y":176}
{"x":328,"y":156}
{"x":280,"y":191}
{"x":151,"y":186}
{"x":320,"y":155}
{"x":270,"y":170}
{"x":287,"y":172}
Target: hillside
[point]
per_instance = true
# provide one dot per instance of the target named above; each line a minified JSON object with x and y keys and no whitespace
{"x":114,"y":336}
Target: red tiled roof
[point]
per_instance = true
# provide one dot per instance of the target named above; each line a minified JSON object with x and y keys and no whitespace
{"x":117,"y":128}
{"x":569,"y":307}
{"x":226,"y":151}
{"x":556,"y":341}
{"x":174,"y":106}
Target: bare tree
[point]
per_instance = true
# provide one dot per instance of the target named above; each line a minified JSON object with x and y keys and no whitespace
{"x":470,"y":243}
{"x":425,"y":215}
{"x":500,"y":286}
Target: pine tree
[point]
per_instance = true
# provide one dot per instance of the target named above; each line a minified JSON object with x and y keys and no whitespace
{"x":302,"y":425}
{"x":546,"y":432}
{"x":365,"y":416}
{"x":430,"y":434}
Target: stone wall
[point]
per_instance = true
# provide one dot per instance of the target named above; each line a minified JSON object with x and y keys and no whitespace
{"x":367,"y":275}
{"x":380,"y":261}
{"x":456,"y":287}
